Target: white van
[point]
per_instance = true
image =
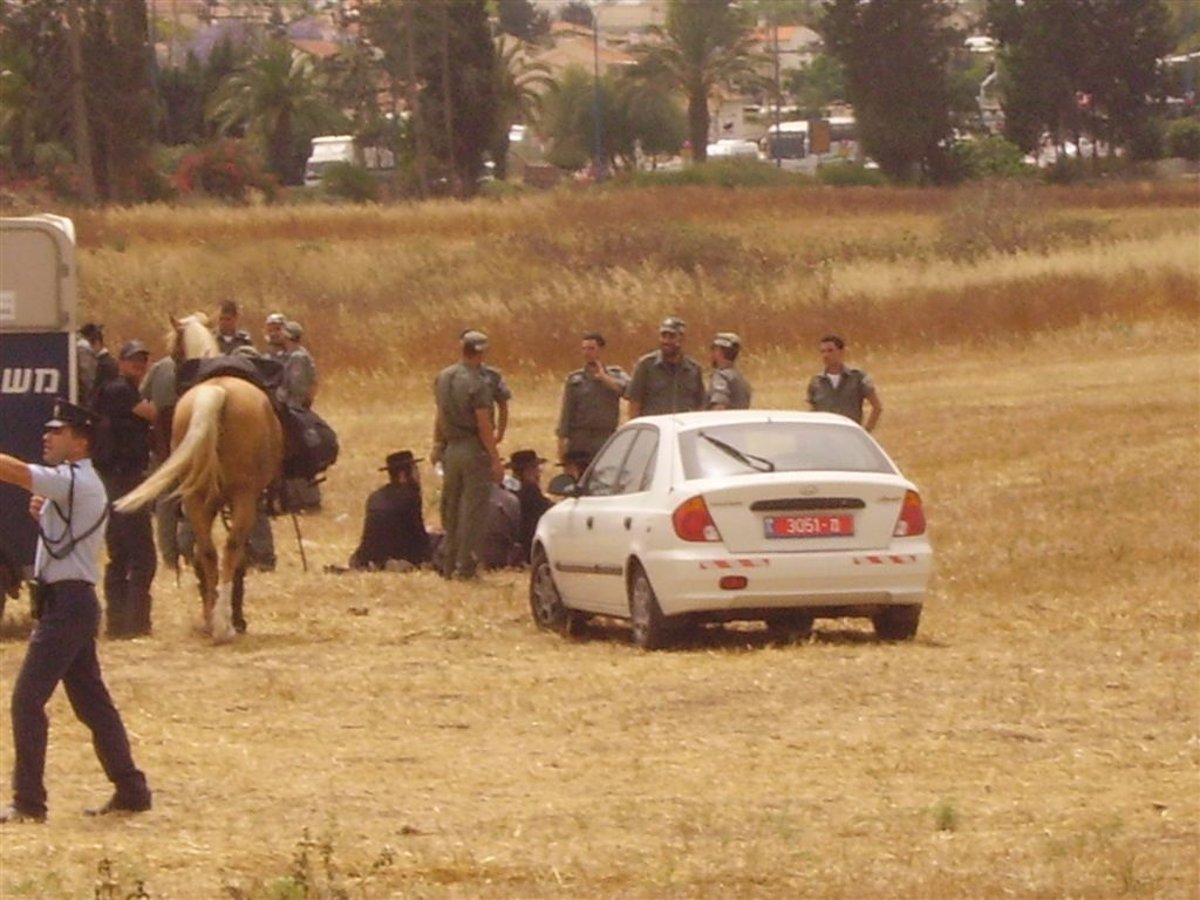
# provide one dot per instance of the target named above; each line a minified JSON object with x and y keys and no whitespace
{"x":730,"y":148}
{"x":334,"y":148}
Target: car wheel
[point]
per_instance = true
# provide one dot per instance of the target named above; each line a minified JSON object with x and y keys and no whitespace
{"x":646,"y":618}
{"x":897,"y":623}
{"x":545,"y":602}
{"x":790,"y":627}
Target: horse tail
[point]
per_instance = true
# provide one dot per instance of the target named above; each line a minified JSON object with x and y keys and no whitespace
{"x":193,"y":466}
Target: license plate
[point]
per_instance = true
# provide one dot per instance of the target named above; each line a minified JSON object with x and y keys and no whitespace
{"x":808,"y":526}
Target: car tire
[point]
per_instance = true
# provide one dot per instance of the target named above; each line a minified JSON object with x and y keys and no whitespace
{"x":790,"y":627}
{"x":897,"y":623}
{"x":646,"y":619}
{"x":545,"y":602}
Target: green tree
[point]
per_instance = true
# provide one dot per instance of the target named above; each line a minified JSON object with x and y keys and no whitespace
{"x":522,"y":19}
{"x":521,"y":83}
{"x":1074,"y":69}
{"x":277,"y":101}
{"x":34,"y":87}
{"x":704,"y":45}
{"x":455,"y":67}
{"x":896,"y":54}
{"x":634,"y":117}
{"x":577,"y":12}
{"x":816,"y":85}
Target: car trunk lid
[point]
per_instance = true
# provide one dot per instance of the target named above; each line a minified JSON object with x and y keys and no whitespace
{"x":783,"y":513}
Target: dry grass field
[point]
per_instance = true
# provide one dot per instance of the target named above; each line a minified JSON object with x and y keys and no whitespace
{"x":387,"y":735}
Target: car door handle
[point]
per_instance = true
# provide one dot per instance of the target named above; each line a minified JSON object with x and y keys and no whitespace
{"x":628,"y":523}
{"x":589,"y":522}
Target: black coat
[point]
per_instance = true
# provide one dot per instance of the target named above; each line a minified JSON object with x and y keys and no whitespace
{"x":393,"y":528}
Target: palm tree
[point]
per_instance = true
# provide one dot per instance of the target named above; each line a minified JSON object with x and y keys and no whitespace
{"x":706,"y":44}
{"x":269,"y":99}
{"x":521,"y":83}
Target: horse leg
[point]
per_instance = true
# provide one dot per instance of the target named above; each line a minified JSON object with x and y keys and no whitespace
{"x":239,"y":599}
{"x":201,"y":515}
{"x":243,"y":509}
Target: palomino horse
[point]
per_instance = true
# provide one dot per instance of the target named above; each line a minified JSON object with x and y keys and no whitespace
{"x":226,"y":449}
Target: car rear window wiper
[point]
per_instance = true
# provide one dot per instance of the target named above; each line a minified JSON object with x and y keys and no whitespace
{"x":747,"y":459}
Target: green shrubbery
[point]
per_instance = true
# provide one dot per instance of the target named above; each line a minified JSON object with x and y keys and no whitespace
{"x":991,"y":157}
{"x":847,"y":174}
{"x":349,"y":181}
{"x":719,"y":173}
{"x":1183,"y":139}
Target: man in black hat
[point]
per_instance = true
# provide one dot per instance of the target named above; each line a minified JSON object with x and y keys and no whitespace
{"x":666,"y":380}
{"x":70,"y":504}
{"x":122,"y":460}
{"x":394,"y":522}
{"x":526,"y":466}
{"x":98,"y":366}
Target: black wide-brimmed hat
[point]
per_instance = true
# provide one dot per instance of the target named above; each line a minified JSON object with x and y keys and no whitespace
{"x":67,"y":413}
{"x":523,"y":459}
{"x":401,"y":459}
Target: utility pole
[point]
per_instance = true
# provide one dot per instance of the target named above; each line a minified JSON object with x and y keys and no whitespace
{"x":597,"y":127}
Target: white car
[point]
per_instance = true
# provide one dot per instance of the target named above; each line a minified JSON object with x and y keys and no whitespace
{"x":765,"y":515}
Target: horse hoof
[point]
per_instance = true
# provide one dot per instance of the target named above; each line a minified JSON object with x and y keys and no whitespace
{"x":224,"y":637}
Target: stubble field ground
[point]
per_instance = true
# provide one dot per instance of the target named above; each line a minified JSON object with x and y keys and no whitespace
{"x":378,"y":735}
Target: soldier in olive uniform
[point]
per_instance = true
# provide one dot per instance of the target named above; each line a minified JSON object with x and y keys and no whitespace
{"x":841,"y":389}
{"x":274,"y":337}
{"x":591,"y":401}
{"x":465,"y":443}
{"x":229,"y":336}
{"x":666,"y":381}
{"x":729,"y":388}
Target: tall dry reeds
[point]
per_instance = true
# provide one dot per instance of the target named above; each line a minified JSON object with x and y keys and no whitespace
{"x":389,"y":289}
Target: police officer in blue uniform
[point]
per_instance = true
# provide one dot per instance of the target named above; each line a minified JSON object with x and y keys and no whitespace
{"x":71,"y":506}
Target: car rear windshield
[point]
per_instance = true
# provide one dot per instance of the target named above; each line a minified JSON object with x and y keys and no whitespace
{"x":749,"y":448}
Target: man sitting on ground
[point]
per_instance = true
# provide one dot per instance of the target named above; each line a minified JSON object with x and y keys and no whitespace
{"x":394,"y":524}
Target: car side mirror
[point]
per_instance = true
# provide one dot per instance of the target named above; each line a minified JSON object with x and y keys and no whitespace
{"x":563,"y":485}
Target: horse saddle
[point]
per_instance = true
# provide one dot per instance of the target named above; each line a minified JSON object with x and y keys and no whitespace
{"x":263,"y":372}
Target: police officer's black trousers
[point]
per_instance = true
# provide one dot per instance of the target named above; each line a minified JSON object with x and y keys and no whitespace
{"x":63,"y":648}
{"x":131,"y":563}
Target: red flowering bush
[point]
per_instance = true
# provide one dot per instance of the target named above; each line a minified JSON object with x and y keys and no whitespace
{"x":227,"y":169}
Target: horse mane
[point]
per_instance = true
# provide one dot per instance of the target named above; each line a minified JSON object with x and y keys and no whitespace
{"x":191,"y":339}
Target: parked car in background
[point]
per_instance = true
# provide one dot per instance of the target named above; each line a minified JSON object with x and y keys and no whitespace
{"x":776,"y":516}
{"x":328,"y":149}
{"x":730,"y":148}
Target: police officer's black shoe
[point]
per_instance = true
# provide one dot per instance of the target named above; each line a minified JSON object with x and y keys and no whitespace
{"x":118,"y":804}
{"x":16,"y":815}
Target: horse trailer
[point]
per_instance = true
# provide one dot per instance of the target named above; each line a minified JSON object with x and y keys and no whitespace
{"x":37,"y":363}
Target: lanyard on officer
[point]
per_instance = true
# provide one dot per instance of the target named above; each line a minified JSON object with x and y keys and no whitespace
{"x":68,"y":536}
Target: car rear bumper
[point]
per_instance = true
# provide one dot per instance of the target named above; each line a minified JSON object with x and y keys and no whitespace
{"x":855,"y":581}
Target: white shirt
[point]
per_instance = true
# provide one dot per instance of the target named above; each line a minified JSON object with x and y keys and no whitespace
{"x":70,"y":523}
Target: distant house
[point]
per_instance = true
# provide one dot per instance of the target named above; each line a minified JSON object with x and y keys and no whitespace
{"x":798,"y":44}
{"x":623,"y":16}
{"x":577,"y":47}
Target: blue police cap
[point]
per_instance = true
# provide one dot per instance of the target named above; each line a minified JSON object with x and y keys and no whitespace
{"x":67,"y":413}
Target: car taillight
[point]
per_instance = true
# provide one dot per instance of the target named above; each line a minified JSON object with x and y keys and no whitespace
{"x":693,"y":523}
{"x":912,"y":517}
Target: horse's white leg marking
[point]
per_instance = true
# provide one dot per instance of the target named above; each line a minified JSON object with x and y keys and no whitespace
{"x":222,"y":617}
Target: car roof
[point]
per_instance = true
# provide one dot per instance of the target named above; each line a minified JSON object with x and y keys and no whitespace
{"x":688,"y":420}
